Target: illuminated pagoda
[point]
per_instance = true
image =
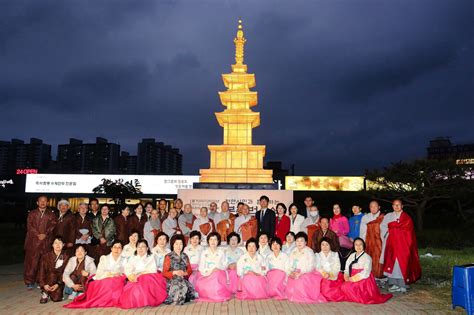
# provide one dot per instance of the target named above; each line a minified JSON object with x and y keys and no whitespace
{"x":237,"y":160}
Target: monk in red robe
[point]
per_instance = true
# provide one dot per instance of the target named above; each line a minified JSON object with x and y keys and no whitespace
{"x":51,"y":271}
{"x":401,"y":262}
{"x":66,"y":226}
{"x":39,"y":235}
{"x":370,"y":232}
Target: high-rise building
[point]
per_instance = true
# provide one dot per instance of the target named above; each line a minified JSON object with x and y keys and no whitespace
{"x":155,"y":158}
{"x":100,"y":157}
{"x":16,"y":154}
{"x":70,"y":158}
{"x":4,"y":156}
{"x":128,"y":163}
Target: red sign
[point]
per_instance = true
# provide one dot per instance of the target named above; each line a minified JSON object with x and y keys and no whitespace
{"x":24,"y":171}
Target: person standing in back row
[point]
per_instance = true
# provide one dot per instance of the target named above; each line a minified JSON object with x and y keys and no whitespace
{"x":265,"y":218}
{"x":39,"y":228}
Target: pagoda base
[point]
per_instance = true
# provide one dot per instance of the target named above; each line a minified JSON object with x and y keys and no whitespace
{"x":273,"y":186}
{"x":236,"y":175}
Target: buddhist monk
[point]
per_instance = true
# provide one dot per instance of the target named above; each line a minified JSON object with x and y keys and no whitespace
{"x":224,"y":222}
{"x":370,"y":233}
{"x":186,"y":220}
{"x":401,"y":263}
{"x":246,"y":224}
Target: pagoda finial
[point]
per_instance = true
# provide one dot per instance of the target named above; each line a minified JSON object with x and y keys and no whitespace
{"x":239,"y":42}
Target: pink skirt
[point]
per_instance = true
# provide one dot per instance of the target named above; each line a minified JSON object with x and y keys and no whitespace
{"x":149,"y":290}
{"x":331,"y":289}
{"x":252,"y":287}
{"x":213,"y":288}
{"x":306,"y":289}
{"x":276,"y":284}
{"x":100,"y":293}
{"x":195,"y":275}
{"x":363,"y":291}
{"x":233,"y":280}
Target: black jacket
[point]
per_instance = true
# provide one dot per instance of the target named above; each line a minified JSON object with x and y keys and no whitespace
{"x":267,"y":224}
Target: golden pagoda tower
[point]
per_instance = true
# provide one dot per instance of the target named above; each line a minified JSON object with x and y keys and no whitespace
{"x":237,"y":160}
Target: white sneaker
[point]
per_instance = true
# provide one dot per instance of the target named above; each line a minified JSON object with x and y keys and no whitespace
{"x":394,"y":288}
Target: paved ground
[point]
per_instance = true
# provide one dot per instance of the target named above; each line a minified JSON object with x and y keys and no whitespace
{"x":15,"y":299}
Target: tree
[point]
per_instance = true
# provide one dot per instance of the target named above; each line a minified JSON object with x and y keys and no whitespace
{"x":419,"y":183}
{"x":118,"y":189}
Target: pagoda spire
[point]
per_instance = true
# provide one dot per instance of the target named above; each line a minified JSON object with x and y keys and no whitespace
{"x":237,"y":160}
{"x":239,"y":42}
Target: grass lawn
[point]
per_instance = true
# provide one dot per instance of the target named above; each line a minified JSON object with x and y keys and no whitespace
{"x":437,"y":272}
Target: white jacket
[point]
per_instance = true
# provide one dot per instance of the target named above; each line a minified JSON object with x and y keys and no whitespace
{"x":89,"y":266}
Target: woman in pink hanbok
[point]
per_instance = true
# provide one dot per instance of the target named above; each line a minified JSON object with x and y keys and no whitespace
{"x":339,"y":224}
{"x":146,"y":286}
{"x":232,"y":253}
{"x":105,"y":287}
{"x":329,"y":266}
{"x":251,"y":271}
{"x":211,"y":284}
{"x":303,"y":285}
{"x":193,"y":251}
{"x":359,"y":285}
{"x":276,"y":270}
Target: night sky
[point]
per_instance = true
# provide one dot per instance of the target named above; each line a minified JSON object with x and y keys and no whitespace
{"x":343,"y":85}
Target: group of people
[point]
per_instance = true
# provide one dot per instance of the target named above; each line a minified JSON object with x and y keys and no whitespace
{"x":148,"y":256}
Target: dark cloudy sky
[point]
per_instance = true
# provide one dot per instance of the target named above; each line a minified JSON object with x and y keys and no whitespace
{"x":343,"y":85}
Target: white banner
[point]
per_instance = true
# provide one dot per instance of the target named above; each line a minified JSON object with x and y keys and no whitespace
{"x":203,"y":197}
{"x":84,"y":183}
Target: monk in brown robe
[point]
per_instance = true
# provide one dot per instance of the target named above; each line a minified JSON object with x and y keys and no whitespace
{"x":122,"y":226}
{"x":324,"y":231}
{"x":83,"y":223}
{"x":39,"y":235}
{"x":370,"y":232}
{"x":51,"y":270}
{"x":246,"y":224}
{"x":137,"y":221}
{"x":224,"y":221}
{"x":66,"y":227}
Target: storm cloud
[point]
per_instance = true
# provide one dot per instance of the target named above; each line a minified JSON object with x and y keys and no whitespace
{"x":343,"y":85}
